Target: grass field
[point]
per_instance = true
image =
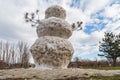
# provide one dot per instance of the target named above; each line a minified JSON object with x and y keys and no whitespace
{"x":105,"y":68}
{"x":93,"y":78}
{"x":105,"y":77}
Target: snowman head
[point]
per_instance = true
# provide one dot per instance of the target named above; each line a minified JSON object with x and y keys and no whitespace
{"x":55,"y":11}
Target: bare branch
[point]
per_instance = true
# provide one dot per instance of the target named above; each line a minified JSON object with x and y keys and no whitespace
{"x":32,"y":18}
{"x":77,"y":26}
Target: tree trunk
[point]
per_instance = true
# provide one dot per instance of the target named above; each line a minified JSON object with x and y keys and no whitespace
{"x":114,"y":61}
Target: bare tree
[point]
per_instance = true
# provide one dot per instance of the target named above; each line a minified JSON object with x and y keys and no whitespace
{"x":12,"y":56}
{"x":20,"y":50}
{"x":24,"y":54}
{"x":0,"y":50}
{"x":7,"y":52}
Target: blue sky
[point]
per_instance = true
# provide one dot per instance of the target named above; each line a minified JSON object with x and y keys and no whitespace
{"x":98,"y":16}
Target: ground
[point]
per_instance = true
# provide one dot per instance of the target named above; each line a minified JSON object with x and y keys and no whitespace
{"x":59,"y":74}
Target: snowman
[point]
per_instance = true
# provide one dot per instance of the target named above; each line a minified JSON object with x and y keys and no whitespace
{"x":52,"y":50}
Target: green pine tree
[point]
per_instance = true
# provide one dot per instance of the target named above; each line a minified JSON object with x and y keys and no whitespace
{"x":110,"y":46}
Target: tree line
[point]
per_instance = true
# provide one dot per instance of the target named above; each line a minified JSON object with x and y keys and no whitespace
{"x":86,"y":63}
{"x":14,"y":54}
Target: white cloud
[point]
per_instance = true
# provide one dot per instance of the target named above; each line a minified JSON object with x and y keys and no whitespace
{"x":12,"y":15}
{"x":112,"y":11}
{"x":92,"y":6}
{"x":74,"y":15}
{"x":112,"y":26}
